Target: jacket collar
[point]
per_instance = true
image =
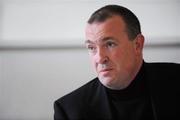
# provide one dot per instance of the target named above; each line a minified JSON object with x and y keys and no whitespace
{"x":99,"y":107}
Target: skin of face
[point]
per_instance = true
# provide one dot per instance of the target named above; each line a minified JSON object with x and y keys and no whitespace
{"x":115,"y":58}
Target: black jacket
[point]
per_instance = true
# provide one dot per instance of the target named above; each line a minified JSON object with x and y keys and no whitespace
{"x":90,"y":101}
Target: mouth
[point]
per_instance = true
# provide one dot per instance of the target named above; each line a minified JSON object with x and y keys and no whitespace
{"x":105,"y":71}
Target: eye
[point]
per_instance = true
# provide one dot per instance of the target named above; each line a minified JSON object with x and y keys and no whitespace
{"x":110,"y":44}
{"x":91,"y":48}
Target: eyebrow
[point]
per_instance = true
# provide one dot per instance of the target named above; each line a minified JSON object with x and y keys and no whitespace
{"x":88,"y":42}
{"x":103,"y":40}
{"x":108,"y":38}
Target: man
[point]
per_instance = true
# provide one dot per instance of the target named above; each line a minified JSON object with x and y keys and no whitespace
{"x":126,"y":88}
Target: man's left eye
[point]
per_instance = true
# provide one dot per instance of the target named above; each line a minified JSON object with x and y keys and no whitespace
{"x":110,"y":44}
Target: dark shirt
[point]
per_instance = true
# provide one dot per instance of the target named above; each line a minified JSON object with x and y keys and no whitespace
{"x":133,"y":102}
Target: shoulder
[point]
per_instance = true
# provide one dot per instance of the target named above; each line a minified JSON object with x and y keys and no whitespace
{"x":79,"y":95}
{"x":162,"y":73}
{"x":163,"y":64}
{"x":164,"y":67}
{"x":76,"y":103}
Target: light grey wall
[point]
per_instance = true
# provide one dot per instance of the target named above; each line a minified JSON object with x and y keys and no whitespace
{"x":32,"y":79}
{"x":41,"y":52}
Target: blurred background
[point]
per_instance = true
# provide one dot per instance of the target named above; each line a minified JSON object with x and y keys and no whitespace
{"x":42,"y":53}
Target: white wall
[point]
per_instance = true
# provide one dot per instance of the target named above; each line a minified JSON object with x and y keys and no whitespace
{"x":41,"y":53}
{"x":32,"y":80}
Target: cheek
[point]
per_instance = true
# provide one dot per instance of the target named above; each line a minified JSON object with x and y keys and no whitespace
{"x":121,"y":58}
{"x":117,"y":56}
{"x":93,"y":63}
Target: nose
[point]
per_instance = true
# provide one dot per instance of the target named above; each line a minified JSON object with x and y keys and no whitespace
{"x":101,"y":56}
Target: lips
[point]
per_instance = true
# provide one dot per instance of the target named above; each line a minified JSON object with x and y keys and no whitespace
{"x":105,"y":71}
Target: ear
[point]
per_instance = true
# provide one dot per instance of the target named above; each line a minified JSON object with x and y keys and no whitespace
{"x":139,"y":44}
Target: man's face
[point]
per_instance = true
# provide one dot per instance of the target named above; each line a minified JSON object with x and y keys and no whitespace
{"x":114,"y":57}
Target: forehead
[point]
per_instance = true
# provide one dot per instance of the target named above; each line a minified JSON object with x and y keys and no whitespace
{"x":110,"y":28}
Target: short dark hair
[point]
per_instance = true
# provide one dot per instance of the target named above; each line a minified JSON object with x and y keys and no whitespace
{"x":132,"y":23}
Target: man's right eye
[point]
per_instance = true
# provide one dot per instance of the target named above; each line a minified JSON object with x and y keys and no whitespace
{"x":91,"y":48}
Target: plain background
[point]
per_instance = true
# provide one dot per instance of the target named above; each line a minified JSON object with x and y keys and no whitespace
{"x":42,"y":54}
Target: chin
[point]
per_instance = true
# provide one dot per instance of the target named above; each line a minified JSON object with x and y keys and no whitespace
{"x":107,"y":81}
